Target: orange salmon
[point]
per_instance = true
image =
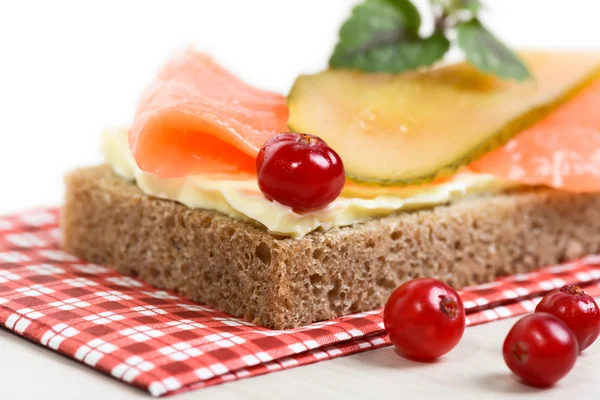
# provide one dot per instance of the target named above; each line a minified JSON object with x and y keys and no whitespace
{"x":198,"y":118}
{"x":561,"y":151}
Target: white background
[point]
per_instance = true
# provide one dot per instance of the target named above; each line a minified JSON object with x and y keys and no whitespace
{"x":68,"y":69}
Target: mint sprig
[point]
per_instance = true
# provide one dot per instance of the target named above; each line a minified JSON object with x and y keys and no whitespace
{"x":371,"y":36}
{"x":383,"y":36}
{"x":487,"y":53}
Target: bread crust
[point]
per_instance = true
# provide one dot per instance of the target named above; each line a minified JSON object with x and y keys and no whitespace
{"x":279,"y":282}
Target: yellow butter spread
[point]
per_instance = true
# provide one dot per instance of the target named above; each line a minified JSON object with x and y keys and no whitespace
{"x":243,"y":200}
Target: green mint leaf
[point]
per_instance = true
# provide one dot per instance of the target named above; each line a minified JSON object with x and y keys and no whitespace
{"x":375,"y":24}
{"x":412,"y":17}
{"x":488,"y":54}
{"x":400,"y":57}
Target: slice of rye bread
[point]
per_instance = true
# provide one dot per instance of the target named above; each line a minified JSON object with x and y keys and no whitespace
{"x":278,"y":282}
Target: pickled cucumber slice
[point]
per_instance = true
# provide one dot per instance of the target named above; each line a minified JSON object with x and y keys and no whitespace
{"x":418,"y":126}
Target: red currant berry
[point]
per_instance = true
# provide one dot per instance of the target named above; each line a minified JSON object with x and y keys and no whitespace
{"x":424,"y":318}
{"x":540,"y":349}
{"x":300,"y":171}
{"x":576,"y":309}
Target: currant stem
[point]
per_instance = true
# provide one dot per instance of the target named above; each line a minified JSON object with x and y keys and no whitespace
{"x":520,"y":351}
{"x":572,"y":289}
{"x":449,"y":307}
{"x":307,"y":139}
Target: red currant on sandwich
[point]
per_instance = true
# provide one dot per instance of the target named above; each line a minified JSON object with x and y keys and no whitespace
{"x":576,"y":309}
{"x":540,"y":349}
{"x":424,"y":319}
{"x":300,"y":171}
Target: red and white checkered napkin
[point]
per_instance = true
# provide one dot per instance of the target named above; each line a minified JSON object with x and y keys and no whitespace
{"x":162,"y":343}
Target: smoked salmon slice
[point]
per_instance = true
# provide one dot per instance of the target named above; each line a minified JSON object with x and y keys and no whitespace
{"x":196,"y":118}
{"x":199,"y":119}
{"x":561,"y":151}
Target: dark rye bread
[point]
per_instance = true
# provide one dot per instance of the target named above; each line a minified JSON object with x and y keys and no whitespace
{"x":279,"y":282}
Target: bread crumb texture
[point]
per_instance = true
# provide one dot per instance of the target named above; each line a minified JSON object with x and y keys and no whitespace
{"x":279,"y":282}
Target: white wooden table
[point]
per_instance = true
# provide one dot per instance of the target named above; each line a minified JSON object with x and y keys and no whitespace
{"x":474,"y":370}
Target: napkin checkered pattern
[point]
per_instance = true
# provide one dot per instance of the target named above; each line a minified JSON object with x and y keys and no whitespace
{"x":165,"y":344}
